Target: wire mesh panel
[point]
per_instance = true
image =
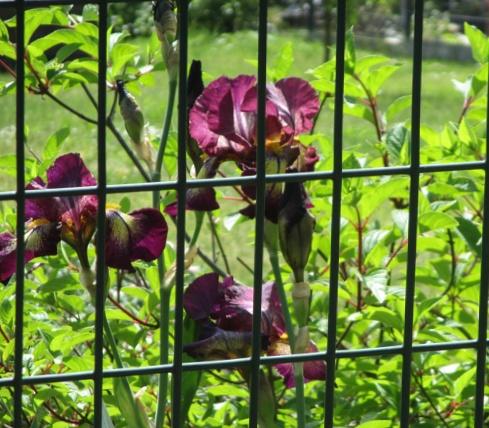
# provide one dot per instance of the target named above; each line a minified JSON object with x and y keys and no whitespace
{"x":335,"y":357}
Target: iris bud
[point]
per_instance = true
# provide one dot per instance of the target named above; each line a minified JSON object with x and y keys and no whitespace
{"x":295,"y":225}
{"x":134,"y":123}
{"x":165,"y":19}
{"x":166,"y":23}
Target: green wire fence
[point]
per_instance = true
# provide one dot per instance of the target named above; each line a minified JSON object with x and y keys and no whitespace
{"x":337,"y":175}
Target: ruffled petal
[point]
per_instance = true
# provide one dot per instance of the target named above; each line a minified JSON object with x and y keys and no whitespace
{"x":201,"y":296}
{"x":217,"y":122}
{"x":139,"y":235}
{"x":296,"y":101}
{"x":69,"y":171}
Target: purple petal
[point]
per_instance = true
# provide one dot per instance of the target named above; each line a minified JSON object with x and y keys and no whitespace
{"x":139,"y":235}
{"x":201,"y":296}
{"x":42,"y":238}
{"x":236,"y":310}
{"x":42,"y":208}
{"x":217,"y":122}
{"x":313,"y":370}
{"x":171,"y":209}
{"x":69,"y":171}
{"x":204,"y":198}
{"x":218,"y":344}
{"x":8,"y":256}
{"x":296,"y":101}
{"x":310,"y":158}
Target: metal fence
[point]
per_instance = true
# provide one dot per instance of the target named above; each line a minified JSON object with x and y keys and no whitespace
{"x":331,"y":354}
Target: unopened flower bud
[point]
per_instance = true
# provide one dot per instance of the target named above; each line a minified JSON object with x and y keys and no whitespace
{"x":131,"y":113}
{"x":195,"y":87}
{"x":134,"y":123}
{"x":171,"y":56}
{"x":296,"y":227}
{"x":165,"y":19}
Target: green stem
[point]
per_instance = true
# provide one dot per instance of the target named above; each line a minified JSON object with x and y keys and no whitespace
{"x":172,"y":90}
{"x":165,"y":292}
{"x":113,"y":345}
{"x":298,"y":367}
{"x":199,"y":218}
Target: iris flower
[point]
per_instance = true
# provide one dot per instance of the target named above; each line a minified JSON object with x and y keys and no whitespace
{"x":139,"y":235}
{"x":223,"y":122}
{"x":224,"y":312}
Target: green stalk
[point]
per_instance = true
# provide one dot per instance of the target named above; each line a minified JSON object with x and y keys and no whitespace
{"x":165,"y":292}
{"x":137,"y":418}
{"x":172,"y":90}
{"x":298,"y":367}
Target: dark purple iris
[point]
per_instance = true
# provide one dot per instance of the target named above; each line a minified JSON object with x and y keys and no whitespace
{"x":224,"y":312}
{"x":223,"y":122}
{"x":137,"y":235}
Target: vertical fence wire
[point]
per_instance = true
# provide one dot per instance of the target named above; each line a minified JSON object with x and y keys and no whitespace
{"x":484,"y":292}
{"x":20,"y":199}
{"x":260,"y":212}
{"x":101,"y":226}
{"x":413,"y":214}
{"x":181,"y":196}
{"x":336,"y":214}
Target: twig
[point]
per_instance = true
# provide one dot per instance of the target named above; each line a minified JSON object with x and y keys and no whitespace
{"x":89,"y":95}
{"x":430,"y":401}
{"x":2,"y":332}
{"x":245,"y":265}
{"x":131,"y":315}
{"x":8,"y":68}
{"x":345,"y":333}
{"x":453,"y":269}
{"x":128,"y":149}
{"x":219,"y":242}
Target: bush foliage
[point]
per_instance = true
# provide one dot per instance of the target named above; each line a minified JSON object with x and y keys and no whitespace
{"x":59,"y":316}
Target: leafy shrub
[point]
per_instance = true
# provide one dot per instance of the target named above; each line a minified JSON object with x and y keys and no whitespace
{"x":373,"y":234}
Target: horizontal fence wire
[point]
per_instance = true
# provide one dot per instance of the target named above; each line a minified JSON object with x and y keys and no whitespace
{"x":336,"y":176}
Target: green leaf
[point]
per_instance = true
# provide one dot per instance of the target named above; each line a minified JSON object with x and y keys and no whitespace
{"x":387,"y":317}
{"x":435,"y":220}
{"x":7,"y":49}
{"x":395,"y":140}
{"x":106,"y":420}
{"x":283,"y":63}
{"x":466,"y":379}
{"x":471,"y":234}
{"x":350,"y":54}
{"x":3,"y":31}
{"x":53,"y":145}
{"x":377,"y":77}
{"x":478,"y":42}
{"x":127,"y":405}
{"x":65,"y":36}
{"x":377,"y":423}
{"x":122,"y":53}
{"x":190,"y":380}
{"x":376,"y":282}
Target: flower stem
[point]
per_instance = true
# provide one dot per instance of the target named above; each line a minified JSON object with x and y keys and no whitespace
{"x":298,"y":367}
{"x":172,"y":90}
{"x":165,"y":292}
{"x":138,"y":419}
